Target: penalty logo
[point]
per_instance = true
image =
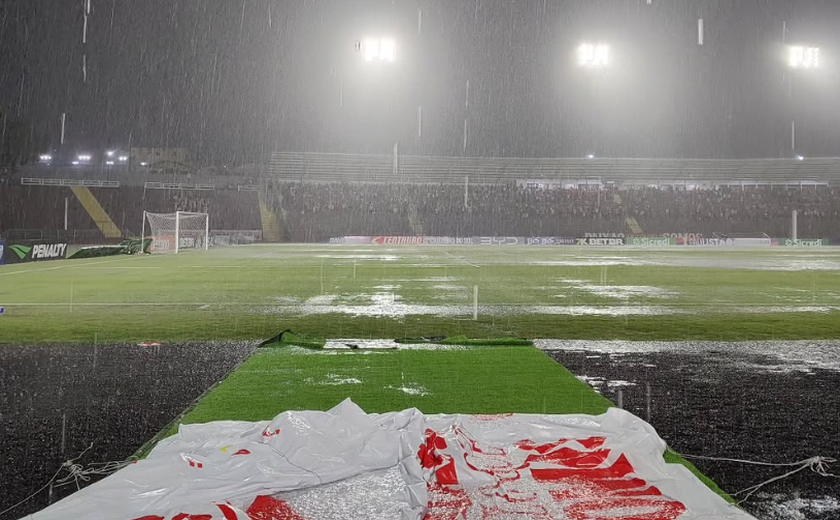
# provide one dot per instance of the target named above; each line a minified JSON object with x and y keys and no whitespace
{"x":21,"y":251}
{"x":48,"y":251}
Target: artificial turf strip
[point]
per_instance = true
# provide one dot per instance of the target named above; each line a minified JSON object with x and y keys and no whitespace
{"x":469,"y":380}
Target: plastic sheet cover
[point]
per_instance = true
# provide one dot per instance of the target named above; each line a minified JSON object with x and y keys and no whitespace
{"x":346,"y":464}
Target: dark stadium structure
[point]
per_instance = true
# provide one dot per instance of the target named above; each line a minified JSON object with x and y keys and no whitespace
{"x":315,"y":197}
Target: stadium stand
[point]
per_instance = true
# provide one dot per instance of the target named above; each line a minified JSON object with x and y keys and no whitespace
{"x":28,"y":209}
{"x":313,"y":197}
{"x":315,"y":212}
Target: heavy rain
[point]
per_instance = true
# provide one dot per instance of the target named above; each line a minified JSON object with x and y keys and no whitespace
{"x":419,"y":259}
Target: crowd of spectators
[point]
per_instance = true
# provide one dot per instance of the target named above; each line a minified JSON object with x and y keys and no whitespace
{"x":311,"y":212}
{"x":736,"y":210}
{"x":316,"y":212}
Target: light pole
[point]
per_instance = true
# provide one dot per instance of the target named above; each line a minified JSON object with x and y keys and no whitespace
{"x":804,"y":59}
{"x":593,"y":58}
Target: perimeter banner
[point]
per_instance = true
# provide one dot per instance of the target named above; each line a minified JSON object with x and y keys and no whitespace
{"x":347,"y":464}
{"x":592,"y":241}
{"x":651,"y":241}
{"x":453,"y":241}
{"x":804,"y":242}
{"x":726,"y":242}
{"x":2,"y":251}
{"x":23,"y":251}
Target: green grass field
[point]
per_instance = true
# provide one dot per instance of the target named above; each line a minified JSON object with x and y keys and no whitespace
{"x":345,"y":291}
{"x":325,"y":292}
{"x":472,"y":380}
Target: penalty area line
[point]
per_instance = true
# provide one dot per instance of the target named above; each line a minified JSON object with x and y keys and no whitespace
{"x":65,"y":266}
{"x":459,"y":259}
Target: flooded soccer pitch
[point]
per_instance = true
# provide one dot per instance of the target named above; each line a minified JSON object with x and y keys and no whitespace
{"x":355,"y":291}
{"x":766,"y":400}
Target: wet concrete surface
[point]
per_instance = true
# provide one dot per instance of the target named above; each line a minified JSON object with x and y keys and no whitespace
{"x":761,"y":401}
{"x":116,"y":397}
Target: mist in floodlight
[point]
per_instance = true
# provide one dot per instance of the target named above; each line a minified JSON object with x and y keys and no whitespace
{"x":379,"y":49}
{"x":594,"y":55}
{"x":800,"y":57}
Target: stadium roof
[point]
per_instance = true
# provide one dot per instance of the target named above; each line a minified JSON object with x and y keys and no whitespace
{"x":330,"y":167}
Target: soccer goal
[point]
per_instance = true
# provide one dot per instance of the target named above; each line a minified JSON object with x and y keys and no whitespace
{"x":176,"y":232}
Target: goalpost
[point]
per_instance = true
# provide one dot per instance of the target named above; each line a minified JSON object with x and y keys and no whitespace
{"x":175,"y":232}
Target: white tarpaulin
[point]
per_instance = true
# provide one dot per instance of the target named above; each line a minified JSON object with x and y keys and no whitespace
{"x":346,"y":464}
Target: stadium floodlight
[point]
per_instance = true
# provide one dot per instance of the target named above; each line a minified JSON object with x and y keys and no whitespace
{"x":800,"y":57}
{"x":593,"y":55}
{"x":85,"y":158}
{"x":379,"y":49}
{"x":75,"y":163}
{"x":110,"y":153}
{"x":123,"y":158}
{"x":109,"y":163}
{"x":800,"y":158}
{"x":590,"y":156}
{"x":45,"y":157}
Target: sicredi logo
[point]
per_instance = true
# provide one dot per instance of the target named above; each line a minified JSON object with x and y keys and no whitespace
{"x":48,"y":251}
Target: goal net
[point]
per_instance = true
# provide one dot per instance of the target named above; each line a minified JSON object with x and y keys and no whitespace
{"x":176,"y":232}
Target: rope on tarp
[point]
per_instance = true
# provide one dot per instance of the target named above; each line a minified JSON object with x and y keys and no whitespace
{"x":819,"y":465}
{"x":76,"y":473}
{"x":79,"y":473}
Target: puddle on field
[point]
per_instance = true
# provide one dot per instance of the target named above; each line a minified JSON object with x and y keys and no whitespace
{"x":618,"y":292}
{"x":590,"y":262}
{"x":415,"y":391}
{"x":336,"y":380}
{"x":777,"y":356}
{"x":381,"y":258}
{"x":387,"y":305}
{"x":759,"y":264}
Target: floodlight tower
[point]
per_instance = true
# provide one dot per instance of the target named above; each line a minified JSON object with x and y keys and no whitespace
{"x":378,"y":50}
{"x":593,"y":56}
{"x":800,"y":59}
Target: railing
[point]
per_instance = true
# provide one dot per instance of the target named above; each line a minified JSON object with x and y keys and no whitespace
{"x":315,"y":167}
{"x":71,"y":236}
{"x":38,"y":181}
{"x":178,"y":186}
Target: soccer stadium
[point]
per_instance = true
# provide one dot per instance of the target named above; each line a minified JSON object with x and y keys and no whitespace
{"x":410,"y":302}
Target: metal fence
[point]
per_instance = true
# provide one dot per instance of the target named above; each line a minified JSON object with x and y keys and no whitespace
{"x":318,"y":167}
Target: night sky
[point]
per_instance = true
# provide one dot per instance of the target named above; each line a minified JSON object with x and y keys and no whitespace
{"x":234,"y":80}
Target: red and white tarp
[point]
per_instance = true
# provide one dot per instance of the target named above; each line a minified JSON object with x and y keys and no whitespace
{"x":346,"y":464}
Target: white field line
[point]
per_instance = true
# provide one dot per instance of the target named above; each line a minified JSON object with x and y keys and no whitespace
{"x":830,"y":305}
{"x":459,"y":259}
{"x":138,"y":267}
{"x":66,"y":266}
